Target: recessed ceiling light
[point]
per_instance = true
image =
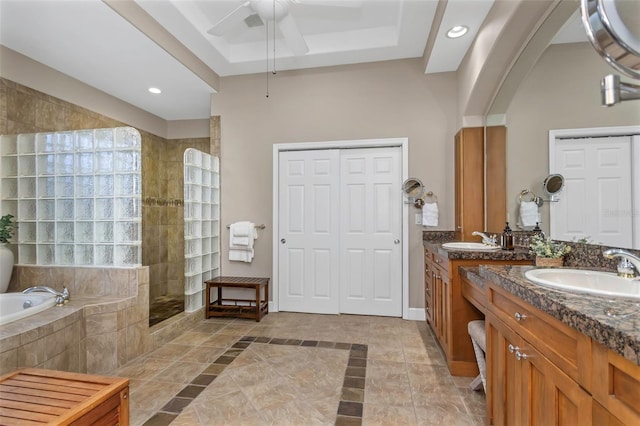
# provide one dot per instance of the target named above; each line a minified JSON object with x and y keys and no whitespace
{"x":155,"y":90}
{"x":457,"y":31}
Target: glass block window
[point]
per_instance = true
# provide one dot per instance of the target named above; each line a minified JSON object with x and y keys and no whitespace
{"x":76,"y":196}
{"x":201,"y":224}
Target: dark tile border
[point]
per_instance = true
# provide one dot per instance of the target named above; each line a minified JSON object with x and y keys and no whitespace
{"x":350,"y":407}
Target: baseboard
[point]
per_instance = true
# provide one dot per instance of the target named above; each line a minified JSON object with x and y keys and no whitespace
{"x":416,"y":314}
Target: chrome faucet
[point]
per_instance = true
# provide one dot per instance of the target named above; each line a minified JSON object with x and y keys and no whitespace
{"x":61,"y":297}
{"x":629,"y":266}
{"x":488,"y":240}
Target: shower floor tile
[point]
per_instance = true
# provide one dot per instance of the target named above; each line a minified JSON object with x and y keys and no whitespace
{"x":164,"y":307}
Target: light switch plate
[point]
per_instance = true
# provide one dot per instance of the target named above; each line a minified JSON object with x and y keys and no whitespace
{"x":418,"y":219}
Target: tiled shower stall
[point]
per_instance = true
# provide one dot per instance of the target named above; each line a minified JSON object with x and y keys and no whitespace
{"x":24,"y":110}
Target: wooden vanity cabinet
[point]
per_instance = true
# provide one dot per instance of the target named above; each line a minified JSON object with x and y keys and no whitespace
{"x":480,"y":164}
{"x":525,"y":388}
{"x":542,"y":372}
{"x":449,"y":313}
{"x":469,"y":182}
{"x":616,"y":388}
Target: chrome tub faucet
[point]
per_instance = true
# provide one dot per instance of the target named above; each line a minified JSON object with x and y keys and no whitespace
{"x":488,"y":240}
{"x":61,"y":297}
{"x":629,"y":265}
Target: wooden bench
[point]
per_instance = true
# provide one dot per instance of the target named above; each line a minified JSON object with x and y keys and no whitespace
{"x":33,"y":396}
{"x":239,"y":308}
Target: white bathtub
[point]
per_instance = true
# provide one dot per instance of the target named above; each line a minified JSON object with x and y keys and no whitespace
{"x":14,"y":306}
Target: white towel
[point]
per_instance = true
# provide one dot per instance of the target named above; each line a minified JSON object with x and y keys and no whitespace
{"x":241,"y":238}
{"x":241,"y":255}
{"x":430,"y":214}
{"x":529,"y":214}
{"x":241,"y":234}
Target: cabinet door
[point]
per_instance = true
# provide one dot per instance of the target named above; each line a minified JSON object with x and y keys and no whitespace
{"x":503,"y":379}
{"x":437,"y":304}
{"x":445,"y":295}
{"x":469,"y":182}
{"x":550,"y":397}
{"x":428,"y":288}
{"x":525,"y":388}
{"x":442,"y":308}
{"x":458,"y":200}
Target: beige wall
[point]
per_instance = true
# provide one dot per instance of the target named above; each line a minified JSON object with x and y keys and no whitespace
{"x":379,"y":100}
{"x":561,"y":92}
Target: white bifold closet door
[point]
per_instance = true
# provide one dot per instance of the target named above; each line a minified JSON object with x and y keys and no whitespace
{"x":309,"y":224}
{"x":340,"y":222}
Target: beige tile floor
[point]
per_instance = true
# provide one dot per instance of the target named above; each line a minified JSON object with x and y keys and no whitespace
{"x":406,"y":382}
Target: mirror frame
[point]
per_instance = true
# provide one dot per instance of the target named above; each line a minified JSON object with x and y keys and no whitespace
{"x":609,"y":35}
{"x":409,"y":185}
{"x":551,"y":179}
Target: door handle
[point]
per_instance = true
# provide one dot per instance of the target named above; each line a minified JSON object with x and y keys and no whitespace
{"x":283,"y":241}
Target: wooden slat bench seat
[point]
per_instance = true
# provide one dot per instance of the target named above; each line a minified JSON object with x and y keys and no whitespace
{"x":34,"y":396}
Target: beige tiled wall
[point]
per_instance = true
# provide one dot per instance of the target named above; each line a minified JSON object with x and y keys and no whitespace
{"x":163,"y":229}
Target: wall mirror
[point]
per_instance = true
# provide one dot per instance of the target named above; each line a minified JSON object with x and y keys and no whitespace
{"x":558,"y":89}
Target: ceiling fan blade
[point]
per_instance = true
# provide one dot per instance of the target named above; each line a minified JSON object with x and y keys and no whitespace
{"x":294,"y":37}
{"x":232,"y":19}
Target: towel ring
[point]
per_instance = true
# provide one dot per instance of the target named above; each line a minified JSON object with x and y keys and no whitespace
{"x":532,"y":197}
{"x":431,"y":196}
{"x":524,"y":193}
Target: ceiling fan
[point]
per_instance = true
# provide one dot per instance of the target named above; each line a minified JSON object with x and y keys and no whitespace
{"x":278,"y":11}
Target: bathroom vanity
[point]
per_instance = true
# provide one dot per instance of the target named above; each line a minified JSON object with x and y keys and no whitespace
{"x":555,"y":357}
{"x":446,"y":310}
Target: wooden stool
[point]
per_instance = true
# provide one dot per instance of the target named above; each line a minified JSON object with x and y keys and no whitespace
{"x":239,"y":308}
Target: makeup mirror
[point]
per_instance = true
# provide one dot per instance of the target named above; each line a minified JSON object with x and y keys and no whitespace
{"x":552,"y":185}
{"x":413,"y":189}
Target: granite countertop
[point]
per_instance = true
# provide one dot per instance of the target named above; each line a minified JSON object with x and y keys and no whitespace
{"x":517,"y":254}
{"x":615,"y":323}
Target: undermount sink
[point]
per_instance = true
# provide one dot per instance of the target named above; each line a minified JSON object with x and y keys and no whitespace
{"x":592,"y":282}
{"x":468,"y":246}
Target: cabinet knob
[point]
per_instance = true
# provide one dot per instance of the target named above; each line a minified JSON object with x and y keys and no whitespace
{"x":438,"y":261}
{"x":520,"y":355}
{"x":519,"y":316}
{"x":512,"y":348}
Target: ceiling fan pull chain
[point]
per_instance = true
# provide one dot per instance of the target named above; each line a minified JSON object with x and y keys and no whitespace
{"x":266,"y":24}
{"x":274,"y":37}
